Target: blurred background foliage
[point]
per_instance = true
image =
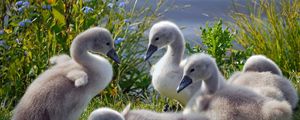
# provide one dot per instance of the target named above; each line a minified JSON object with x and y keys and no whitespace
{"x":32,"y":31}
{"x":219,"y":43}
{"x":272,"y":28}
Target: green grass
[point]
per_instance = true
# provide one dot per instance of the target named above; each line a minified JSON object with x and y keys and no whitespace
{"x":272,"y":28}
{"x":118,"y":103}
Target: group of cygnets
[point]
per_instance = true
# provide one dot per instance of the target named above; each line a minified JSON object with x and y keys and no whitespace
{"x":258,"y":92}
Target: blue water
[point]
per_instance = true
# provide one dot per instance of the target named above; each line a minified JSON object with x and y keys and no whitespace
{"x":191,"y":14}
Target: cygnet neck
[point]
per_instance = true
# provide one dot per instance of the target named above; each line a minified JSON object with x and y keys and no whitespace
{"x":80,"y":53}
{"x":176,"y":49}
{"x":214,"y":82}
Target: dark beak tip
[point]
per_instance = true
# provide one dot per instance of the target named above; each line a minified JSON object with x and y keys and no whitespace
{"x":178,"y":90}
{"x":186,"y":81}
{"x":117,"y":60}
{"x":146,"y":57}
{"x":151,"y":49}
{"x":113,"y":55}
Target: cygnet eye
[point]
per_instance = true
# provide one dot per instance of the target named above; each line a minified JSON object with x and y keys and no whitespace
{"x":156,"y":39}
{"x":107,"y":43}
{"x":192,"y":70}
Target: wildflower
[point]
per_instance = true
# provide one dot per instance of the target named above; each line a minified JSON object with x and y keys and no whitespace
{"x":23,"y":23}
{"x":119,"y":40}
{"x":126,"y":20}
{"x":26,"y":4}
{"x":20,"y":9}
{"x":2,"y":42}
{"x":47,"y":7}
{"x":19,"y":3}
{"x":111,"y":5}
{"x":18,"y":41}
{"x":6,"y":20}
{"x":51,"y":1}
{"x":132,"y":28}
{"x":25,"y":53}
{"x":87,"y":9}
{"x":121,"y":4}
{"x":1,"y":32}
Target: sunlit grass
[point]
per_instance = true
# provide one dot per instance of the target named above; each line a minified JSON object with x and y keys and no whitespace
{"x":152,"y":101}
{"x":272,"y":29}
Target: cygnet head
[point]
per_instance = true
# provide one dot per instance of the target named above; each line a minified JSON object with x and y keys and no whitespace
{"x":198,"y":67}
{"x":260,"y":63}
{"x":109,"y":114}
{"x":161,"y":34}
{"x":105,"y":114}
{"x":96,"y":40}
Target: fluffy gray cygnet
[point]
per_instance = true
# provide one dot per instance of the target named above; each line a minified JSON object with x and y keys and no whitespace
{"x":127,"y":114}
{"x":167,"y":72}
{"x":263,"y":76}
{"x":219,"y":100}
{"x":53,"y":96}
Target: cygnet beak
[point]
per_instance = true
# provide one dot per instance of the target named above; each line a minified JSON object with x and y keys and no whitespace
{"x":113,"y":55}
{"x":151,"y":49}
{"x":186,"y":81}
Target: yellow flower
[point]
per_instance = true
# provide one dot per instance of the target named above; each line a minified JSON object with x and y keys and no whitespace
{"x":8,"y":31}
{"x":51,"y":1}
{"x":114,"y":91}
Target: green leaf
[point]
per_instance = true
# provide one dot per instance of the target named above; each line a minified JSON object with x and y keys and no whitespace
{"x":60,"y":17}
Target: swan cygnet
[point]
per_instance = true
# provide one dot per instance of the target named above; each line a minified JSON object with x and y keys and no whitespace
{"x":128,"y":114}
{"x":108,"y":114}
{"x":151,"y":115}
{"x":260,"y":63}
{"x":263,"y":76}
{"x":166,"y":73}
{"x":229,"y":102}
{"x":53,"y":96}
